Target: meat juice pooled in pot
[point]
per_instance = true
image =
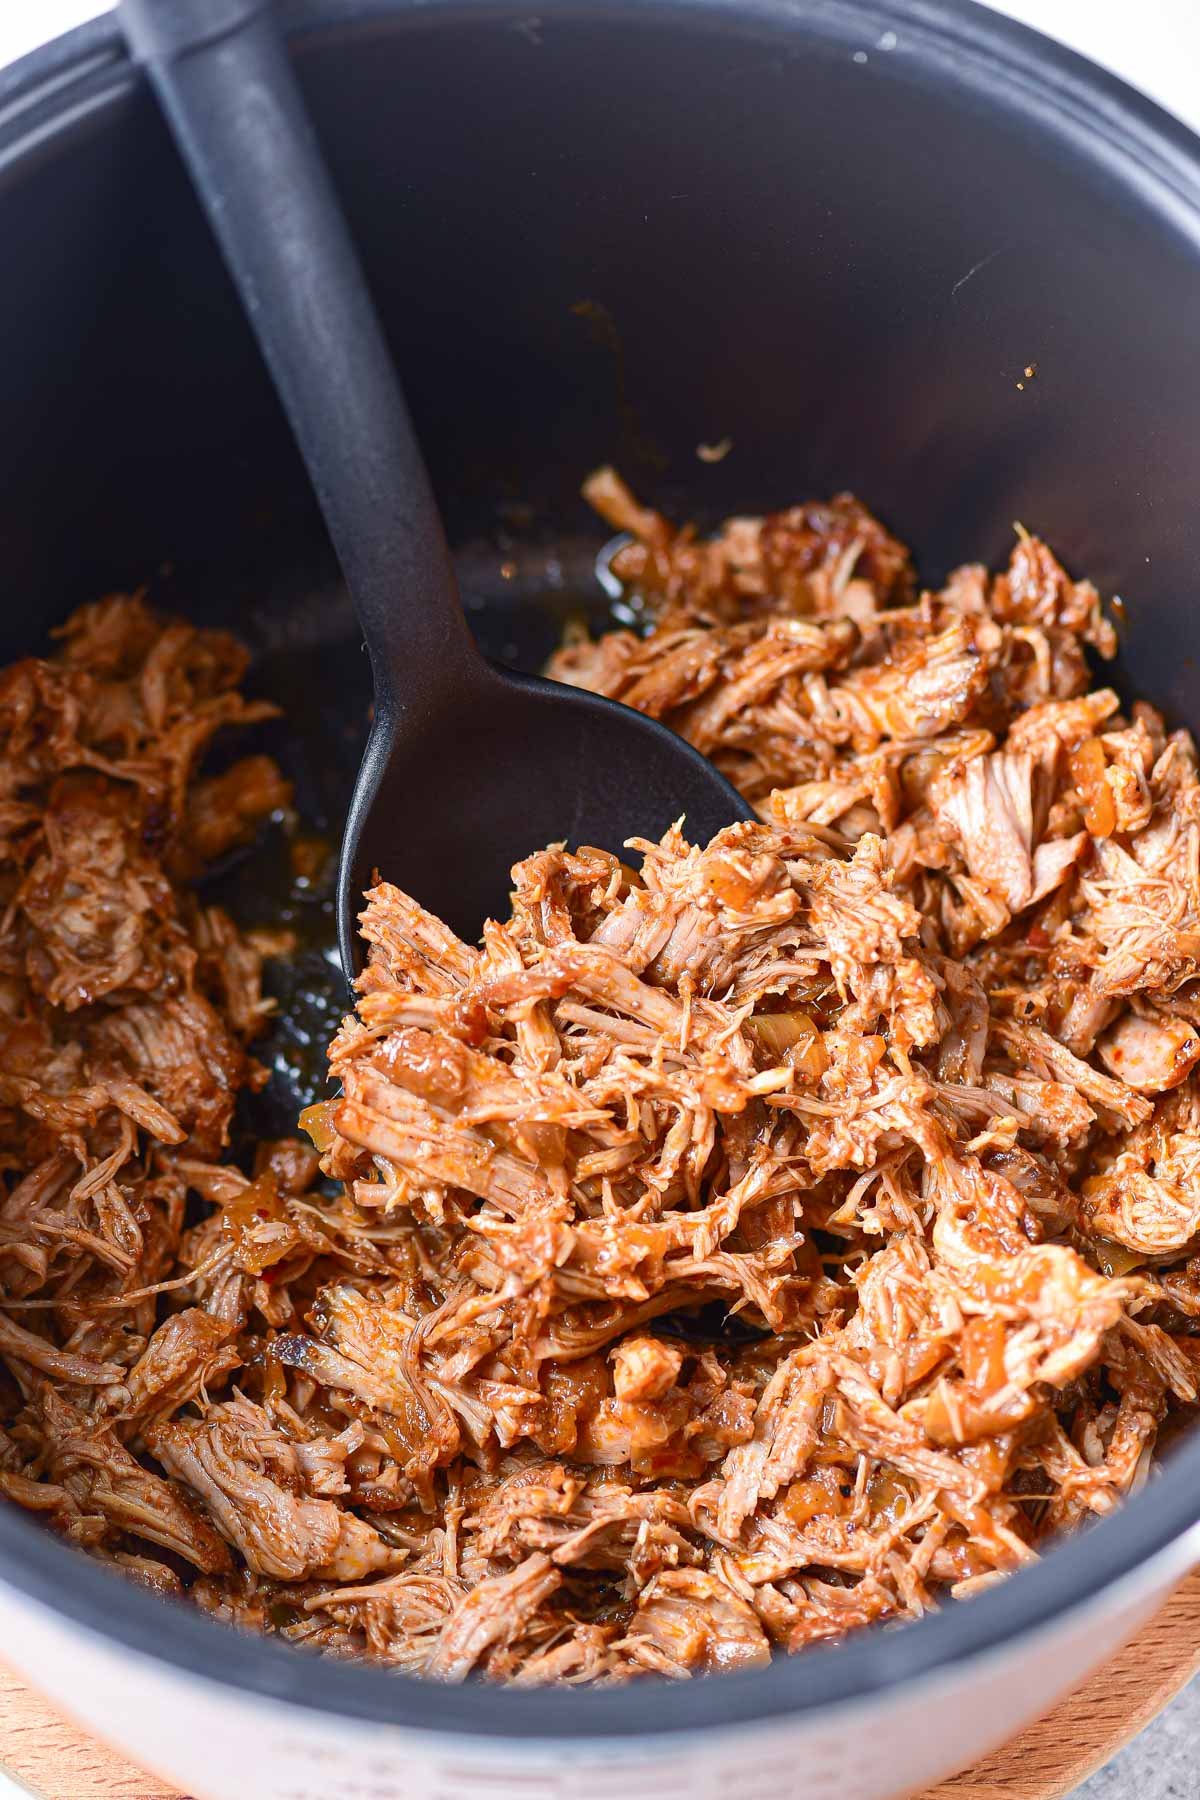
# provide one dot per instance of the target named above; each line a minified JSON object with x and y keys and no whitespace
{"x":716,"y":1259}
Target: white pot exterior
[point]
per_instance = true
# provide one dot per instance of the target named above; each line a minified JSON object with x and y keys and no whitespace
{"x":219,"y":1744}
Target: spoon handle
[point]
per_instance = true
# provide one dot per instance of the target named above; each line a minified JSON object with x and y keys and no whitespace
{"x":225,"y":81}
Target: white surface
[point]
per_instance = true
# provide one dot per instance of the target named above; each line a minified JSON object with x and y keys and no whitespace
{"x":1153,"y":43}
{"x":26,"y":23}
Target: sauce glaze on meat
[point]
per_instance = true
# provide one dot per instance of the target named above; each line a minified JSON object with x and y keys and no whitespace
{"x":719,"y":1258}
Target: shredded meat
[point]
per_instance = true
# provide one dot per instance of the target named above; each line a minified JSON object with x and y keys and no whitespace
{"x":716,"y":1258}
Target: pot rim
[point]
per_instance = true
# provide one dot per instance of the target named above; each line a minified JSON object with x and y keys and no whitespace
{"x":46,"y":95}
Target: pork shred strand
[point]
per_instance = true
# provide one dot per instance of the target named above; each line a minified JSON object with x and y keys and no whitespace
{"x":713,"y":1259}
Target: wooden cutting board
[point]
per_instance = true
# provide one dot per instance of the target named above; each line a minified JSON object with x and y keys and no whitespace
{"x":49,"y":1755}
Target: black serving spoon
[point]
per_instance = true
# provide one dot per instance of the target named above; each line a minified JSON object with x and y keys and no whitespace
{"x":468,"y":767}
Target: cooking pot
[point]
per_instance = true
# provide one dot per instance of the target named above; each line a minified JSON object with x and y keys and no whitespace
{"x":907,"y":248}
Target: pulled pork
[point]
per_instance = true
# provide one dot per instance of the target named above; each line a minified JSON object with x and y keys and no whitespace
{"x":716,"y":1258}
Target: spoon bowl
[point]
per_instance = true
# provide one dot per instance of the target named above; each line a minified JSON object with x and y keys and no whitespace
{"x":506,"y":764}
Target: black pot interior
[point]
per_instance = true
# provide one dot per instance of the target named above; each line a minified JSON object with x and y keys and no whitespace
{"x":903,"y":250}
{"x":619,"y":233}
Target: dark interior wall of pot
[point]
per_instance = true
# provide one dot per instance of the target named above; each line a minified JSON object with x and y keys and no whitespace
{"x":138,"y":427}
{"x":620,"y":238}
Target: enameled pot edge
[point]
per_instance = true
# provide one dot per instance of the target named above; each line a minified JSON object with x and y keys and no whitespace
{"x":194,"y":1732}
